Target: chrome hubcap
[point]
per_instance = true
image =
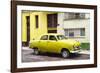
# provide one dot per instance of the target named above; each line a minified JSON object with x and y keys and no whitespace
{"x":64,"y":54}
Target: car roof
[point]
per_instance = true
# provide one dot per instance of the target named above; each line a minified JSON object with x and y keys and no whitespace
{"x":48,"y":34}
{"x":52,"y":34}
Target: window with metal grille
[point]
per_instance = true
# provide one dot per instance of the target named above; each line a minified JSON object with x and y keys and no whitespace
{"x":36,"y":19}
{"x":68,"y":16}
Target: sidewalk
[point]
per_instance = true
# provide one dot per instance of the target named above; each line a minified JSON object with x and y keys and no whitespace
{"x":26,"y":48}
{"x":84,"y":52}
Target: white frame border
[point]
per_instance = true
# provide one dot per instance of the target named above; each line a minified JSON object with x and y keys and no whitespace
{"x":53,"y":63}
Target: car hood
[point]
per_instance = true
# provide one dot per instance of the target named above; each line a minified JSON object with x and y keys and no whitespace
{"x":71,"y":41}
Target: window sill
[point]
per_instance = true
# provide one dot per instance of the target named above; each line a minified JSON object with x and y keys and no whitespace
{"x":76,"y":37}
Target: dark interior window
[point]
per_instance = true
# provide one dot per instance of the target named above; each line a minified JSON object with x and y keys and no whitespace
{"x":36,"y":18}
{"x":71,"y":34}
{"x":52,"y":20}
{"x":52,"y":37}
{"x":52,"y":31}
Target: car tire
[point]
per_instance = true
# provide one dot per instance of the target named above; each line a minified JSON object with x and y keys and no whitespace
{"x":65,"y":53}
{"x":35,"y":51}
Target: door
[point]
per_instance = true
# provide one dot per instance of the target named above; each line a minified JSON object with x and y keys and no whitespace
{"x":52,"y":44}
{"x":43,"y":43}
{"x":28,"y":29}
{"x":52,"y":23}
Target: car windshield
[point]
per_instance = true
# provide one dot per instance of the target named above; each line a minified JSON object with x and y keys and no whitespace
{"x":61,"y":37}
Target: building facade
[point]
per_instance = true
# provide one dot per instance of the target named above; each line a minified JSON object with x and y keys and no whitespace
{"x":75,"y":26}
{"x":72,"y":25}
{"x":36,"y":23}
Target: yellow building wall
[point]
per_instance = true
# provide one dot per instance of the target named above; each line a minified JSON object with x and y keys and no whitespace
{"x":34,"y":32}
{"x":24,"y":27}
{"x":42,"y":24}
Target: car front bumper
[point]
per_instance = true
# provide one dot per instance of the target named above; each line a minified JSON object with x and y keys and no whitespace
{"x":76,"y":51}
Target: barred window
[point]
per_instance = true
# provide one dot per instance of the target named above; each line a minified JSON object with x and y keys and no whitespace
{"x":37,"y":21}
{"x":68,"y":16}
{"x":75,"y":32}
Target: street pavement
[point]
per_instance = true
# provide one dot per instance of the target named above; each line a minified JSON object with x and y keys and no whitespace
{"x":28,"y":56}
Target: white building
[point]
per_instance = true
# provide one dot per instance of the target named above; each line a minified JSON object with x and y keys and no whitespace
{"x":74,"y":25}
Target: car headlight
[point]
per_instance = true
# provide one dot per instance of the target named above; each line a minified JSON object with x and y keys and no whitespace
{"x":76,"y":47}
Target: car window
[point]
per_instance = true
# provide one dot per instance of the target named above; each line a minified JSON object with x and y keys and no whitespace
{"x":61,"y":37}
{"x":51,"y":37}
{"x":45,"y":37}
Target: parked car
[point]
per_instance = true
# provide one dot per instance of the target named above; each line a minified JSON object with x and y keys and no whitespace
{"x":55,"y":43}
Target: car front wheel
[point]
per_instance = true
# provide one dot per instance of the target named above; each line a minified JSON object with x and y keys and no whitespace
{"x":65,"y":53}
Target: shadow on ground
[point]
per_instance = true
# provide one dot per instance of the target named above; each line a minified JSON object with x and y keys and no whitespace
{"x":72,"y":55}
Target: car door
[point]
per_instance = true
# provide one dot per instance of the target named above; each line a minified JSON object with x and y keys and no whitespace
{"x":52,"y":44}
{"x":43,"y":43}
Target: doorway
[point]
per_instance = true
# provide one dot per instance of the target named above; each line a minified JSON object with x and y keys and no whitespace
{"x":52,"y":23}
{"x":28,"y":30}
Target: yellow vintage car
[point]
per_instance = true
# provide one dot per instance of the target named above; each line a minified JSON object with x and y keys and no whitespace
{"x":55,"y":43}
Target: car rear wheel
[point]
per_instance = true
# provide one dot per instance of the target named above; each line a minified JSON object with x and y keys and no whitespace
{"x":35,"y":51}
{"x":65,"y":53}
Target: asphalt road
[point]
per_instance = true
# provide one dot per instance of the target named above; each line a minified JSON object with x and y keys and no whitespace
{"x":28,"y":56}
